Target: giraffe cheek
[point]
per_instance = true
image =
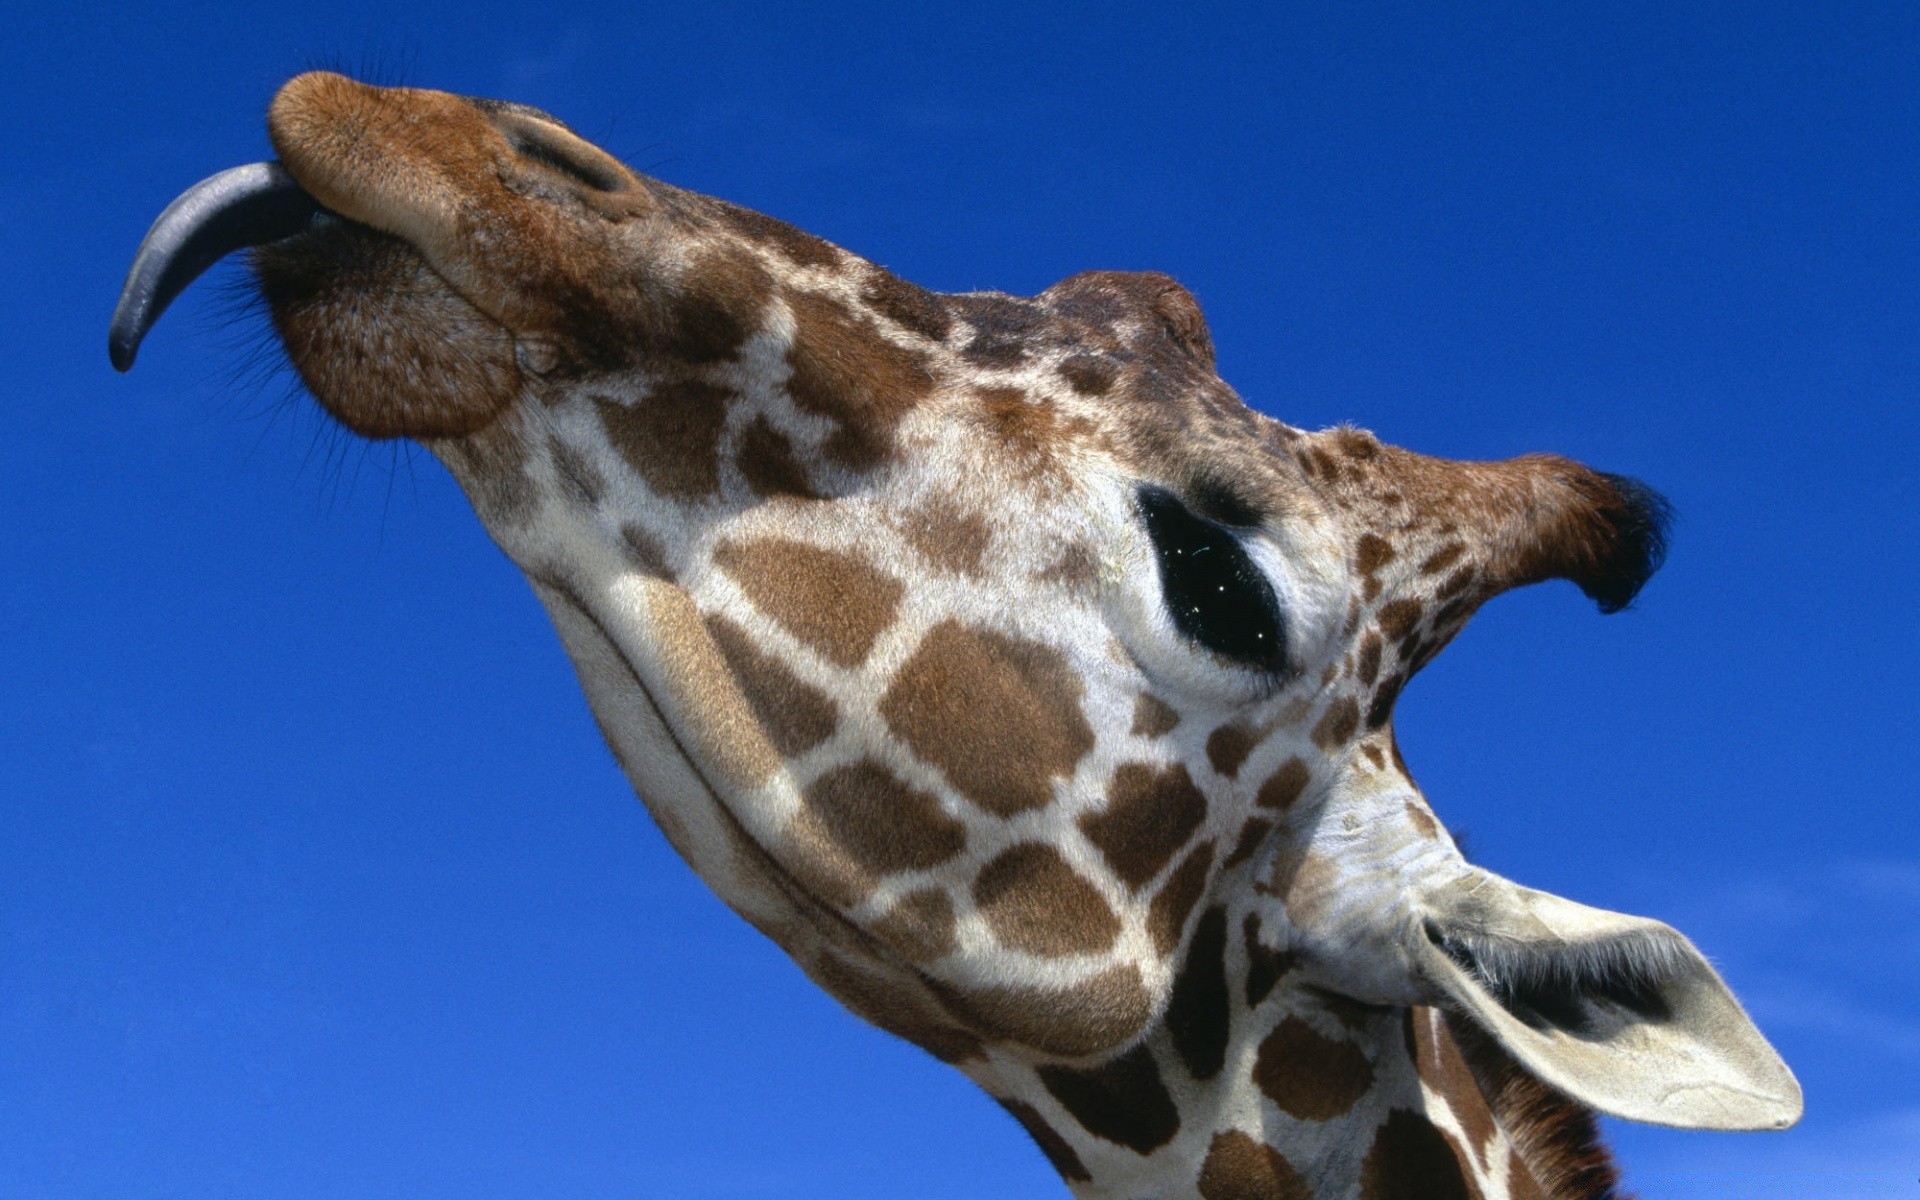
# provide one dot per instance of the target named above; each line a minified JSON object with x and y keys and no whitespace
{"x":1000,"y":717}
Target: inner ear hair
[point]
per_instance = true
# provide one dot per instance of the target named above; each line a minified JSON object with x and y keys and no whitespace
{"x":1555,"y":984}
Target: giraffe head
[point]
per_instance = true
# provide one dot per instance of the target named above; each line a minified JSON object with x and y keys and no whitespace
{"x":983,"y":651}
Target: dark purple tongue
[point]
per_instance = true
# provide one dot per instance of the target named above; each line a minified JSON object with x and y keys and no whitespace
{"x":244,"y":206}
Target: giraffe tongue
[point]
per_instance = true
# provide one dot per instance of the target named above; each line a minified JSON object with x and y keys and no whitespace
{"x":243,"y":206}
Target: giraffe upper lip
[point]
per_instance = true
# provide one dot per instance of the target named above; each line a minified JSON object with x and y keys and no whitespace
{"x":242,"y":206}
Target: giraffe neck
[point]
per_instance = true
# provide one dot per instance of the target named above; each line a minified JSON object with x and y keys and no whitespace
{"x":1259,"y":1086}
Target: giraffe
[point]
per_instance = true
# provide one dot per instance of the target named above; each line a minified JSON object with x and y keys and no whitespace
{"x":991,"y":657}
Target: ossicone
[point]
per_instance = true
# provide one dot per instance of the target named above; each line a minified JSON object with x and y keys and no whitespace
{"x":1606,"y":533}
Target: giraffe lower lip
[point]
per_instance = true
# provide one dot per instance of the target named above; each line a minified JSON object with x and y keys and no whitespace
{"x":237,"y":208}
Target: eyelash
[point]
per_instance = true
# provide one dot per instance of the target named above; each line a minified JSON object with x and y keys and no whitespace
{"x":1214,"y":594}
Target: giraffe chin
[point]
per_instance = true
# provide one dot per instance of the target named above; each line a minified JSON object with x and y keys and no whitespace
{"x":382,"y":341}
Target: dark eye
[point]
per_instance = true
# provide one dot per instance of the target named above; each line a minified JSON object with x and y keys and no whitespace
{"x":1213,"y":591}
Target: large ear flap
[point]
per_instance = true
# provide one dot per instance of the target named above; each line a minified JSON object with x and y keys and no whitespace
{"x":1620,"y":1013}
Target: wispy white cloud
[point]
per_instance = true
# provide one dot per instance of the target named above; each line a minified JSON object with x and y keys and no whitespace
{"x":532,"y":70}
{"x":1826,"y":958}
{"x":1877,"y":1158}
{"x":1827,"y":1007}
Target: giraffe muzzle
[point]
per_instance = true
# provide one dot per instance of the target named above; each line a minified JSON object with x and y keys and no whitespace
{"x":236,"y":209}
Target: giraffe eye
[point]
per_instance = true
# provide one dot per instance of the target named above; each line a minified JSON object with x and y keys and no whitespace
{"x":1213,"y":592}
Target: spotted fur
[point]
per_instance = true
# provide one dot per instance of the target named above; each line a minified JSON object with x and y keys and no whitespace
{"x":857,"y":581}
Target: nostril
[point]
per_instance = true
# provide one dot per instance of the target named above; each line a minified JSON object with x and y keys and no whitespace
{"x":550,"y":151}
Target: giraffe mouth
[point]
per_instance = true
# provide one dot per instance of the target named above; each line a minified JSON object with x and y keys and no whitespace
{"x":416,"y":251}
{"x":237,"y":209}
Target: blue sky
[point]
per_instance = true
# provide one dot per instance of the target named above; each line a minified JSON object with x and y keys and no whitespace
{"x":314,"y":877}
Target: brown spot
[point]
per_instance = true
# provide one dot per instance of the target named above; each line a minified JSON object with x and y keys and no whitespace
{"x":1035,"y":902}
{"x":1229,"y":746}
{"x":843,"y":369}
{"x":1442,"y":558}
{"x":728,"y":738}
{"x":796,"y":715}
{"x":1028,"y":428}
{"x":1123,"y":1102}
{"x":1367,"y":667}
{"x":1167,"y":916}
{"x":1265,"y":965}
{"x":948,"y":536}
{"x":1341,"y":720}
{"x":1101,"y":1012}
{"x":1151,"y":812}
{"x":1521,"y":1184}
{"x":1416,"y":653}
{"x":1374,"y":755}
{"x":1000,"y":716}
{"x":1372,"y":553}
{"x":1381,"y":707}
{"x":880,"y":823}
{"x":919,"y":925}
{"x":643,"y":551}
{"x":766,"y":460}
{"x":1002,"y":327}
{"x":1454,"y":584}
{"x":1443,"y":1069}
{"x":718,"y":303}
{"x":834,"y":602}
{"x":1309,"y":1076}
{"x":798,"y":247}
{"x":1412,"y":1160}
{"x":1152,"y":716}
{"x":671,"y":437}
{"x":1284,"y":786}
{"x":1397,"y":619}
{"x":496,"y":471}
{"x":1198,"y":1013}
{"x":1240,"y":1168}
{"x":1090,"y":375}
{"x":1065,"y":1162}
{"x":1423,"y":821}
{"x":1076,"y":570}
{"x":1447,"y":621}
{"x":894,"y":1008}
{"x":1251,"y":835}
{"x":908,"y":305}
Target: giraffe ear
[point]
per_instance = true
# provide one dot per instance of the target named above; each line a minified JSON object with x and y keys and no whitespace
{"x":1619,"y":1012}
